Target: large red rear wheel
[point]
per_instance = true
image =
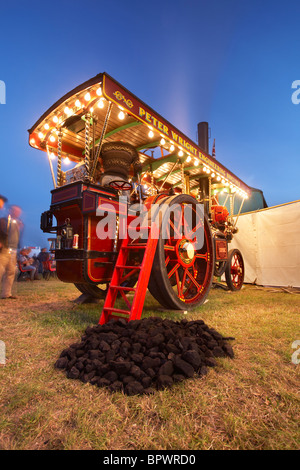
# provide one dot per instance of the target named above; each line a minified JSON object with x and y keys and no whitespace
{"x":235,"y":270}
{"x":183,"y":266}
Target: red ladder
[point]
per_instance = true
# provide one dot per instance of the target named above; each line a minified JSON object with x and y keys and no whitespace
{"x":135,"y":308}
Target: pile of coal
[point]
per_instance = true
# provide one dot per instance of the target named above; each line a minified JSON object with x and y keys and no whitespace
{"x":142,"y":356}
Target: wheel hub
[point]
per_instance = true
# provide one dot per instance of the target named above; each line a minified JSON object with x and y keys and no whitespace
{"x":186,"y":251}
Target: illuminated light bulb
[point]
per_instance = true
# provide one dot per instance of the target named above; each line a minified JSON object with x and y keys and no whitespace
{"x":32,"y":141}
{"x":78,"y":104}
{"x":100,"y":104}
{"x":162,"y":141}
{"x":172,"y":148}
{"x":207,"y":170}
{"x":226,"y":184}
{"x":92,"y":110}
{"x":145,"y":186}
{"x":41,"y":135}
{"x":52,"y":138}
{"x":99,"y":91}
{"x":46,"y":126}
{"x":55,"y":119}
{"x":188,"y":159}
{"x":180,"y":153}
{"x":87,"y":96}
{"x":213,"y":175}
{"x":218,"y":178}
{"x":204,"y":169}
{"x":223,"y":181}
{"x":67,"y":110}
{"x":52,"y":156}
{"x":151,"y":134}
{"x":121,"y":115}
{"x":196,"y":163}
{"x":67,"y":160}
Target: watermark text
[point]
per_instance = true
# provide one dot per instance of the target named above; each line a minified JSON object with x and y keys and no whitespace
{"x":2,"y":353}
{"x":2,"y":92}
{"x":296,"y":94}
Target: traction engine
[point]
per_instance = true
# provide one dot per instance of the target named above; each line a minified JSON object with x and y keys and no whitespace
{"x":126,"y":220}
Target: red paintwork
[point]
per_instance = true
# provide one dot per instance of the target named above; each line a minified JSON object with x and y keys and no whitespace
{"x":219,"y":214}
{"x":78,"y":203}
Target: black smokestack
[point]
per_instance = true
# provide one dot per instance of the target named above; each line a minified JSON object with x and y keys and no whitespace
{"x":203,"y":136}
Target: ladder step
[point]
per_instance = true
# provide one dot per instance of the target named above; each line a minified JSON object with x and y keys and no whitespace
{"x":122,"y":266}
{"x":116,"y":310}
{"x":129,"y":289}
{"x":134,"y":309}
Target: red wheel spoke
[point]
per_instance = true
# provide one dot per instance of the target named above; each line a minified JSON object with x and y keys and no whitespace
{"x":175,"y":230}
{"x":173,"y":270}
{"x":178,"y":283}
{"x":183,"y":283}
{"x":167,"y":260}
{"x":193,"y":280}
{"x":191,"y":232}
{"x":169,"y":247}
{"x":202,"y":256}
{"x":183,"y":221}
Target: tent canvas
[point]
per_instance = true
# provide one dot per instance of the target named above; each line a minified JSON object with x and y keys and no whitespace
{"x":270,"y":244}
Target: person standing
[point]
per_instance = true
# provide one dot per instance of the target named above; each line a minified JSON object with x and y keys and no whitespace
{"x":10,"y":231}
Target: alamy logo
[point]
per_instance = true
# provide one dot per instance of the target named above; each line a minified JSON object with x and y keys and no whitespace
{"x":2,"y":352}
{"x":179,"y":222}
{"x":296,"y":95}
{"x":2,"y":92}
{"x":296,"y":354}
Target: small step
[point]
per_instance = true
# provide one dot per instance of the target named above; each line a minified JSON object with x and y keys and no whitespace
{"x":116,"y":310}
{"x":129,"y":289}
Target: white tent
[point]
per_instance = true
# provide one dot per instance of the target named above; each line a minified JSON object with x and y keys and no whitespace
{"x":269,"y":240}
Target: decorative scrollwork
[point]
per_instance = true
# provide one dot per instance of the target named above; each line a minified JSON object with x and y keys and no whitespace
{"x":121,"y":97}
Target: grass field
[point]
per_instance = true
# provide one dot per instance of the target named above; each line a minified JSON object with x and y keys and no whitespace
{"x":250,"y":402}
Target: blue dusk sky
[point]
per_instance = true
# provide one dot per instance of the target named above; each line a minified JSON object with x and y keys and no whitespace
{"x":229,"y":62}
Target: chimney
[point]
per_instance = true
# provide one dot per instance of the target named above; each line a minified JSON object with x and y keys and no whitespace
{"x":203,"y":136}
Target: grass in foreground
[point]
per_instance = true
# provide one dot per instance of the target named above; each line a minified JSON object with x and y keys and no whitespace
{"x":250,"y":402}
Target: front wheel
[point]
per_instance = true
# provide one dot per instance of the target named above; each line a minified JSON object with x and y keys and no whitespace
{"x":183,"y":268}
{"x":235,"y":270}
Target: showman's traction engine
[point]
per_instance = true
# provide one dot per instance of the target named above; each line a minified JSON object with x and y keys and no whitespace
{"x":140,"y":208}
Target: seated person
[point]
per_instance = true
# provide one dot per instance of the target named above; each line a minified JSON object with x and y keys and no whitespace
{"x":26,"y":262}
{"x":43,"y":257}
{"x":117,"y":158}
